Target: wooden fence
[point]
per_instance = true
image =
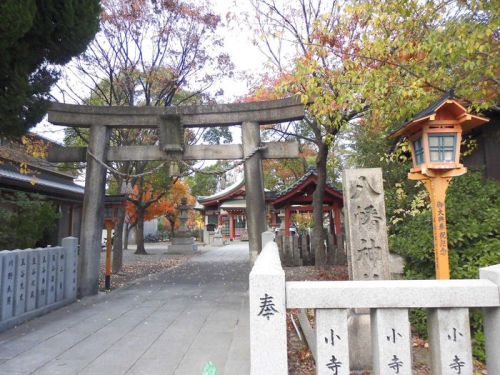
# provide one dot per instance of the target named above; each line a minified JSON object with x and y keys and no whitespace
{"x":296,"y":250}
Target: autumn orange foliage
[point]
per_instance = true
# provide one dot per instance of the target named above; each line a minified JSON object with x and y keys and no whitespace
{"x":166,"y":206}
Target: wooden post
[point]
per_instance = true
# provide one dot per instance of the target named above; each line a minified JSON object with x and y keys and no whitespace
{"x":107,"y":277}
{"x":231,"y":226}
{"x":92,"y":213}
{"x":338,"y":224}
{"x":436,"y":186}
{"x":254,"y":182}
{"x":288,"y":214}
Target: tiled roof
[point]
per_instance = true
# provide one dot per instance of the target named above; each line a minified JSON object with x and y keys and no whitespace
{"x":311,"y":171}
{"x":222,"y":193}
{"x":68,"y":187}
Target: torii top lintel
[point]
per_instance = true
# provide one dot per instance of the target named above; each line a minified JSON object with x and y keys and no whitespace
{"x":264,"y":112}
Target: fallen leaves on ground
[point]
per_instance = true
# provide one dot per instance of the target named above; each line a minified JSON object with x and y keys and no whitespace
{"x":138,"y":269}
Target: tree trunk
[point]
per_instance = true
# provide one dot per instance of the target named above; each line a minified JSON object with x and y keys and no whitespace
{"x":139,"y":232}
{"x":128,"y":228}
{"x":172,"y":228}
{"x":318,"y":241}
{"x":118,"y":242}
{"x":127,"y":233}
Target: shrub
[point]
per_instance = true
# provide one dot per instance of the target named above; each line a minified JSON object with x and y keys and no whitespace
{"x":25,"y":219}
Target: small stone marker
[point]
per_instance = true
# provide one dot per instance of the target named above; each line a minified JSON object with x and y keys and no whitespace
{"x":32,"y":279}
{"x":21,"y":276}
{"x":366,"y":230}
{"x":391,"y":341}
{"x":43,"y":274}
{"x":8,"y":272}
{"x":52,"y":276}
{"x":449,"y":339}
{"x":332,"y":345}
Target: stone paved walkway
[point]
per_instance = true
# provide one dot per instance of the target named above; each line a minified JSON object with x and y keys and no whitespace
{"x":170,"y":323}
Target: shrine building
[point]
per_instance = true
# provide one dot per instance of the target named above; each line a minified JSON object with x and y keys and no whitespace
{"x":226,"y":209}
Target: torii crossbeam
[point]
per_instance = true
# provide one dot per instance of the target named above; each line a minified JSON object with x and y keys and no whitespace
{"x":170,"y":121}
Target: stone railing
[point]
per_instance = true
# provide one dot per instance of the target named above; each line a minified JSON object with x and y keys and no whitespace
{"x":447,"y":303}
{"x":35,"y":281}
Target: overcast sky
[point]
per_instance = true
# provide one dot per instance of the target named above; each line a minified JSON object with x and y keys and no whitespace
{"x":245,"y":56}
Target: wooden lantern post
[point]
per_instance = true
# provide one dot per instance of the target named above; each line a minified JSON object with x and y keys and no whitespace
{"x":435,"y":135}
{"x":112,"y":203}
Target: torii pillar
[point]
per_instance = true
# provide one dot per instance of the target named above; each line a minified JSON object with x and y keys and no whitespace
{"x":254,"y":187}
{"x":92,"y":213}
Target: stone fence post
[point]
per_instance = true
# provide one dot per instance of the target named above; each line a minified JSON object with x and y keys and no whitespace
{"x":491,"y":317}
{"x":70,"y":246}
{"x":36,"y":281}
{"x":268,"y":345}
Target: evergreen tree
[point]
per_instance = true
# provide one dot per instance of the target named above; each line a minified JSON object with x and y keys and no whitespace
{"x":35,"y":37}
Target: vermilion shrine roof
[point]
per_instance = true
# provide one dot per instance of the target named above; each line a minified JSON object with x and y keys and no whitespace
{"x":300,"y":193}
{"x":230,"y":193}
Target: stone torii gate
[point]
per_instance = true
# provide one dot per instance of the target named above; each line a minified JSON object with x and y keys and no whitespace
{"x":171,"y":122}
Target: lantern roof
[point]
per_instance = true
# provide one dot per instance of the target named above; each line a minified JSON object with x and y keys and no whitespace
{"x":448,"y":104}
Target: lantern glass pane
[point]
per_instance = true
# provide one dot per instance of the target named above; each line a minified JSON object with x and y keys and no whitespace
{"x":442,"y":147}
{"x":433,"y":141}
{"x":419,"y":151}
{"x":449,"y":156}
{"x":108,"y":212}
{"x":449,"y":141}
{"x":434,"y":155}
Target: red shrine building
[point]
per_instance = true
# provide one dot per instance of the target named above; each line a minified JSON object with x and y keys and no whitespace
{"x":226,"y":210}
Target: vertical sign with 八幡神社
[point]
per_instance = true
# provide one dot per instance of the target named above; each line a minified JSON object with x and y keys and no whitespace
{"x":367,"y":250}
{"x":366,"y":232}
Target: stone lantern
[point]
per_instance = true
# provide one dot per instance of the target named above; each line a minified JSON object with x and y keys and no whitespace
{"x":435,"y":135}
{"x":183,"y":242}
